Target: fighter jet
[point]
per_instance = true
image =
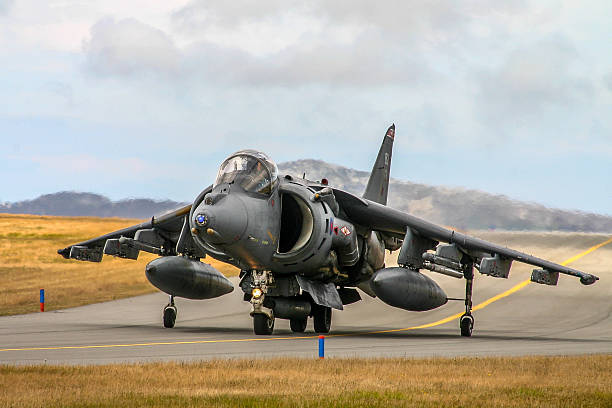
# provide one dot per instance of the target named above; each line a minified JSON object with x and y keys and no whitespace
{"x":303,"y":247}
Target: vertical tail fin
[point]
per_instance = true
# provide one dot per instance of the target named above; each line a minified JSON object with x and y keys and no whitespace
{"x":378,"y":184}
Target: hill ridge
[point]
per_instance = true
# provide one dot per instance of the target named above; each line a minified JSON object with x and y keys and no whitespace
{"x":456,"y":206}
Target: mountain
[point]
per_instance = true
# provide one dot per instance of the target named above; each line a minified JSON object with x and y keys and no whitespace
{"x":69,"y":203}
{"x":456,"y":207}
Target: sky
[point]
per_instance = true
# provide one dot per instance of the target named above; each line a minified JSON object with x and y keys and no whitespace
{"x":145,"y":98}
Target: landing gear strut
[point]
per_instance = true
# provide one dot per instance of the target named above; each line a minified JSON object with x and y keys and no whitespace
{"x":170,"y":314}
{"x":466,"y":323}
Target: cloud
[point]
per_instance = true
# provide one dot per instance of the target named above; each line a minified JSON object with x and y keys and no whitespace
{"x":388,"y":15}
{"x":289,"y":43}
{"x":88,"y":165}
{"x":532,"y":81}
{"x":371,"y":64}
{"x":608,"y":81}
{"x":128,"y":47}
{"x":355,"y":43}
{"x":6,"y":6}
{"x":345,"y":42}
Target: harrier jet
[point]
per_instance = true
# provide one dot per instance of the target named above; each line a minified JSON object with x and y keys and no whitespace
{"x":303,"y":247}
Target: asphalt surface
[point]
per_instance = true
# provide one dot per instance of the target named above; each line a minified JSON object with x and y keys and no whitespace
{"x":529,"y":319}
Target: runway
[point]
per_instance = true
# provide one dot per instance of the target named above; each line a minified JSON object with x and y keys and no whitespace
{"x":514,"y":318}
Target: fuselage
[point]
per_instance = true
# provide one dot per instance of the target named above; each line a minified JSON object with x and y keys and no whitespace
{"x":259,"y":221}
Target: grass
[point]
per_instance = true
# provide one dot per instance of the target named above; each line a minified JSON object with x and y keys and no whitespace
{"x":584,"y":381}
{"x":29,"y":261}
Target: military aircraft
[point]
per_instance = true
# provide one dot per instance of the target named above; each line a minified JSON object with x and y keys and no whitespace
{"x":303,"y":247}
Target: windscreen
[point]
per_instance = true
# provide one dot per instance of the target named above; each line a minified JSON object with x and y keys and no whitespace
{"x":249,"y":171}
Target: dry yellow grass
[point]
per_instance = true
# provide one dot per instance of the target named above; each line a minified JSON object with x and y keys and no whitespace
{"x":29,"y":261}
{"x":480,"y":382}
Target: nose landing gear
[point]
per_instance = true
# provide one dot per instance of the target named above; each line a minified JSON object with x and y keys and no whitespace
{"x":170,"y":314}
{"x":263,"y":324}
{"x":263,"y":317}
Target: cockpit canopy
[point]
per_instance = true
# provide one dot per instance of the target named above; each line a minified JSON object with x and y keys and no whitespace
{"x":254,"y":171}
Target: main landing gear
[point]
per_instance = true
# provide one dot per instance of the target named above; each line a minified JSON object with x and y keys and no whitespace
{"x":170,"y":314}
{"x":267,"y":307}
{"x":466,"y":322}
{"x":298,"y":325}
{"x":264,"y":324}
{"x":321,"y":316}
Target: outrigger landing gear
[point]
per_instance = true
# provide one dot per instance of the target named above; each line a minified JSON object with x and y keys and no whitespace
{"x":170,"y":314}
{"x":466,"y":323}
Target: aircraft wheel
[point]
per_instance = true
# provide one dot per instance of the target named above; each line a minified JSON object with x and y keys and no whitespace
{"x":298,"y":325}
{"x":262,"y":324}
{"x":169,"y":316}
{"x":466,"y":323}
{"x":322,"y":318}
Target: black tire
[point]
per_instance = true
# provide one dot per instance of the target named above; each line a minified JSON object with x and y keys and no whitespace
{"x":466,"y":324}
{"x":169,"y":316}
{"x":298,"y":325}
{"x":262,"y":324}
{"x":322,"y":318}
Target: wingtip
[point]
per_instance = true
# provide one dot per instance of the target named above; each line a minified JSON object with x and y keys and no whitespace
{"x":588,"y":279}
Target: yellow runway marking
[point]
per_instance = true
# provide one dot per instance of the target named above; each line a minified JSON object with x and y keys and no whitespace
{"x":448,"y":319}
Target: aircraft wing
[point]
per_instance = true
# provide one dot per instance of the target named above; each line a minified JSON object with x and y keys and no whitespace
{"x":385,"y":219}
{"x":160,"y":231}
{"x":160,"y":236}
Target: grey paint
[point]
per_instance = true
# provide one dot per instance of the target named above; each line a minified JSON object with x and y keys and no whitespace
{"x":377,"y":188}
{"x":179,"y":276}
{"x":406,"y":289}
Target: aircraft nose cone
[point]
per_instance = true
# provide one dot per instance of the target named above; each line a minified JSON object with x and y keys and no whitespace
{"x":223,"y":222}
{"x":375,"y":281}
{"x":151,"y":270}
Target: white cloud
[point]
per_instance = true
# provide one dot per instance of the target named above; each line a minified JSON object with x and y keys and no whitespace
{"x":533,"y":78}
{"x":84,"y":164}
{"x":5,"y":6}
{"x":129,"y":47}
